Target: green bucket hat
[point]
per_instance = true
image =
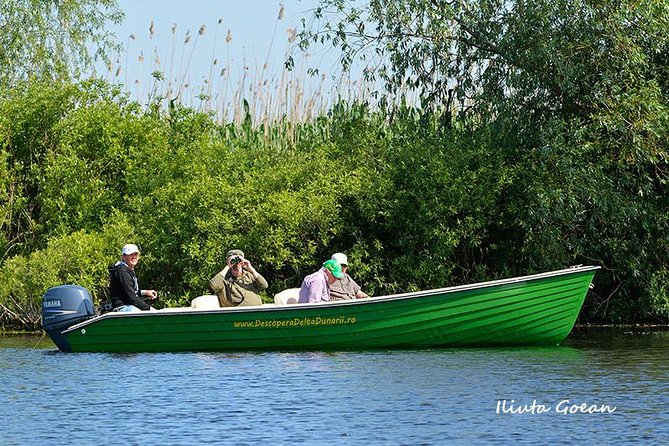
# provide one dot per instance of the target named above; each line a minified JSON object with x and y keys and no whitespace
{"x":334,"y":267}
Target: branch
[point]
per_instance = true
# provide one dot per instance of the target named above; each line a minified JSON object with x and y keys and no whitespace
{"x":23,"y":321}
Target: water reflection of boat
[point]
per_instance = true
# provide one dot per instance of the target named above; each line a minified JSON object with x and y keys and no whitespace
{"x":540,"y":309}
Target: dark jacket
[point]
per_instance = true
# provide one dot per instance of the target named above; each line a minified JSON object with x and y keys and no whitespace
{"x":124,"y":288}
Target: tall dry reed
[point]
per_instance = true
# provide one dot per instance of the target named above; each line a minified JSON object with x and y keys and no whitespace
{"x":271,"y":93}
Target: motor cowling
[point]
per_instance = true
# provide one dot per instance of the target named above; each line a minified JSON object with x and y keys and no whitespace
{"x":62,"y":307}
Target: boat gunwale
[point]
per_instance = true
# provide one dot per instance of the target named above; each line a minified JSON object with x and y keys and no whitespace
{"x":340,"y":303}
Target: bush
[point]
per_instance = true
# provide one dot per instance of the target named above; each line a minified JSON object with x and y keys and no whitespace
{"x":417,"y":202}
{"x":79,"y":258}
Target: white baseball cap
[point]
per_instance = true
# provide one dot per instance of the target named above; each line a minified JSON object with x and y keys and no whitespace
{"x":129,"y":249}
{"x":340,"y":258}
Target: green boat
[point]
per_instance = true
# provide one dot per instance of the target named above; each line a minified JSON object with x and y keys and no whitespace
{"x":538,"y":309}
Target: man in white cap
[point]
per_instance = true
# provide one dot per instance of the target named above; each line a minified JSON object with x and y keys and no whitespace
{"x":346,"y":288}
{"x":124,"y":289}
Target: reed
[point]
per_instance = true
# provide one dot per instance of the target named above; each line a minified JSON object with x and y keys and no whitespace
{"x":232,"y":90}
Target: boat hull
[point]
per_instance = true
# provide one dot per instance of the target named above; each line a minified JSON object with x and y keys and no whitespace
{"x":531,"y":310}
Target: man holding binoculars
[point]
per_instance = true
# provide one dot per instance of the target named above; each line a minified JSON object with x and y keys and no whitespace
{"x":240,"y":284}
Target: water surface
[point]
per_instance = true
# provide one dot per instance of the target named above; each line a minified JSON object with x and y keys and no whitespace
{"x":393,"y":397}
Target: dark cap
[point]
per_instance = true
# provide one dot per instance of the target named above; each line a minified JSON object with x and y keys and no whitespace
{"x":234,"y":253}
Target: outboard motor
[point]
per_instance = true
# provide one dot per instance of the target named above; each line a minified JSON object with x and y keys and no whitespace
{"x":62,"y":307}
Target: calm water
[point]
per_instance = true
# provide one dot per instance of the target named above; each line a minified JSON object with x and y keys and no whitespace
{"x":423,"y":397}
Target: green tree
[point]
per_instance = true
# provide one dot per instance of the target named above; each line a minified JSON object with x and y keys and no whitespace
{"x":63,"y":149}
{"x":545,"y":56}
{"x":54,"y":39}
{"x":79,"y":257}
{"x":574,"y":94}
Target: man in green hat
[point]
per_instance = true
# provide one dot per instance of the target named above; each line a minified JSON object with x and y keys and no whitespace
{"x":316,"y":286}
{"x":346,"y":288}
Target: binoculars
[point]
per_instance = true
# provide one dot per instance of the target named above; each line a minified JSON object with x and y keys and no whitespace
{"x":235,"y":260}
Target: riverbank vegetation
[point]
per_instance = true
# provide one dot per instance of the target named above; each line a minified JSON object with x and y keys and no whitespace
{"x":539,"y":142}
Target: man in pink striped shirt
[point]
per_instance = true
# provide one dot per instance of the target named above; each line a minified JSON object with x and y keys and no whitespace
{"x":316,"y":286}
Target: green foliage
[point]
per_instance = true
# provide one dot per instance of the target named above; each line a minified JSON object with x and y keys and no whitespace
{"x":573,"y":97}
{"x":99,"y":145}
{"x":278,"y":206}
{"x":53,"y":39}
{"x":27,"y":118}
{"x":65,"y":148}
{"x":540,"y":58}
{"x":414,"y":204}
{"x":540,"y":142}
{"x":659,"y":292}
{"x":77,"y":258}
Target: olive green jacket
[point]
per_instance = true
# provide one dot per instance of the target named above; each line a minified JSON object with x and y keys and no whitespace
{"x":242,"y":290}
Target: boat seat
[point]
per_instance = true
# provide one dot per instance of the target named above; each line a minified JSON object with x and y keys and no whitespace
{"x":289,"y":296}
{"x":206,"y":302}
